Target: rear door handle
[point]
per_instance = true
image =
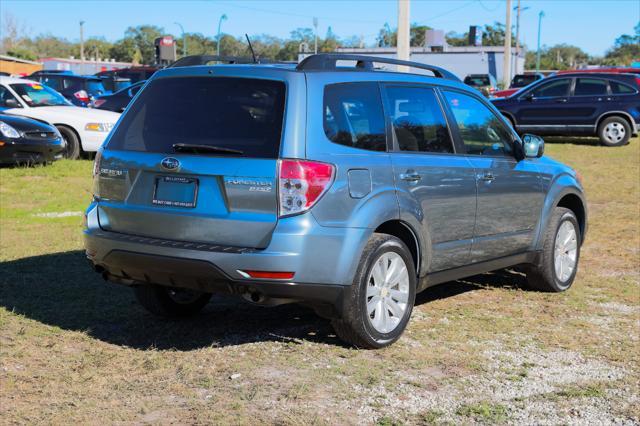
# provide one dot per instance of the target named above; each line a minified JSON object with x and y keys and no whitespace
{"x":487,"y":177}
{"x":561,"y":101}
{"x":410,"y":176}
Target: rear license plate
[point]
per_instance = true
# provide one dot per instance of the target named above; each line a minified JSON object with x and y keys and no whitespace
{"x":175,"y":191}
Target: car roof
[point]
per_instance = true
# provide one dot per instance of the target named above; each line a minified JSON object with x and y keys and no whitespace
{"x":15,"y":80}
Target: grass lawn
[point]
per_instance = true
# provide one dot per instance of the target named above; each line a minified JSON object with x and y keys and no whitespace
{"x":74,"y":349}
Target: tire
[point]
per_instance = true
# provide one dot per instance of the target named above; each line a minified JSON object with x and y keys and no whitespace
{"x":73,"y":148}
{"x":165,"y":301}
{"x":545,"y":276}
{"x":614,"y":131}
{"x":357,"y":327}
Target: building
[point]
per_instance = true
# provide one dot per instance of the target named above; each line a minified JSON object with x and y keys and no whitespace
{"x":17,"y":66}
{"x":461,"y":61}
{"x":86,"y":67}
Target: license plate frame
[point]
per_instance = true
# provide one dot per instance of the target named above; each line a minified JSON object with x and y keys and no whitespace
{"x":175,"y":180}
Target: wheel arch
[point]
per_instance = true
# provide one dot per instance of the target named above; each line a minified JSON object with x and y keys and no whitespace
{"x":622,"y":114}
{"x":574,"y":203}
{"x":406,"y":234}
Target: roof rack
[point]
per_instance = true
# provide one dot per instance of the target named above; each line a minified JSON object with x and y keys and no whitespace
{"x":194,"y":60}
{"x":328,"y":61}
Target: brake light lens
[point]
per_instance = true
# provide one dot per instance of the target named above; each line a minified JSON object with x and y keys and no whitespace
{"x":301,"y":184}
{"x":98,"y":102}
{"x":82,"y":96}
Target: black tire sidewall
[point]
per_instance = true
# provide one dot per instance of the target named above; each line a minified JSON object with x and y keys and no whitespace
{"x":71,"y":140}
{"x":564,"y":285}
{"x":620,"y":120}
{"x":376,"y":338}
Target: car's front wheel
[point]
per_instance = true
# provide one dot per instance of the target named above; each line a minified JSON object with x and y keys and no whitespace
{"x":558,"y":263}
{"x":378,"y":304}
{"x":170,"y":301}
{"x":614,"y":131}
{"x":72,"y":148}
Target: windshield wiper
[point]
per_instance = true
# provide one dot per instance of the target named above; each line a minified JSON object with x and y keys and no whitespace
{"x":198,"y":149}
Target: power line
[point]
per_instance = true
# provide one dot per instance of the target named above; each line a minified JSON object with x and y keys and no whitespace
{"x":488,"y":9}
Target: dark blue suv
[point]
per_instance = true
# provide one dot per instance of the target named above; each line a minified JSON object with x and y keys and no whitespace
{"x":80,"y":90}
{"x":581,"y":104}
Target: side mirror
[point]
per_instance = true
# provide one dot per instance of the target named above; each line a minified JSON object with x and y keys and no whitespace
{"x":533,"y":146}
{"x":12,"y":103}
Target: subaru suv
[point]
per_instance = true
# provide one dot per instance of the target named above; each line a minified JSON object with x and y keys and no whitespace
{"x":331,"y":183}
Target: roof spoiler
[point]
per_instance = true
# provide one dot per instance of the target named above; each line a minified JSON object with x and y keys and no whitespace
{"x":328,"y":62}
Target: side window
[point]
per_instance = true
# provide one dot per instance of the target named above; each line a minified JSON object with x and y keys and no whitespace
{"x":72,"y":83}
{"x":52,"y":82}
{"x":353,"y":116}
{"x":418,"y":121}
{"x":552,"y":88}
{"x":620,"y":89}
{"x":590,"y":87}
{"x":480,"y":129}
{"x":5,"y":96}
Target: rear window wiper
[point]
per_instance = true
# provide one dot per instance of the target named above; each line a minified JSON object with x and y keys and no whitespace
{"x":204,"y":149}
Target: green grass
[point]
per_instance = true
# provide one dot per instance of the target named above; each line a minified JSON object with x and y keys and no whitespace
{"x":74,"y":349}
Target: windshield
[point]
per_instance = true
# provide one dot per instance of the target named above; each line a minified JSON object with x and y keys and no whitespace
{"x":95,"y":87}
{"x":36,"y":95}
{"x":237,"y":114}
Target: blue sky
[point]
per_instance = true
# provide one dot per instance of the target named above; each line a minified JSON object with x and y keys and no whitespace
{"x":590,"y":24}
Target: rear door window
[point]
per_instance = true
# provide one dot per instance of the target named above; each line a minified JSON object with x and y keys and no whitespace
{"x":418,"y":121}
{"x":240,"y":115}
{"x":53,"y":82}
{"x":590,"y":87}
{"x":353,"y":116}
{"x":621,"y":89}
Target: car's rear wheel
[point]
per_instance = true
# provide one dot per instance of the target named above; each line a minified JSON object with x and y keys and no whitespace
{"x":72,"y":148}
{"x":378,"y":304}
{"x":614,"y":131}
{"x":170,"y":301}
{"x":558,"y":262}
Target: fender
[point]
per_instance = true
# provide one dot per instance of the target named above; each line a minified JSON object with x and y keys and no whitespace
{"x":412,"y":216}
{"x":562,"y":185}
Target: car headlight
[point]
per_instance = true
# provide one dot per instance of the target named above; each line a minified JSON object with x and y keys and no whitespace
{"x":8,"y":131}
{"x":99,"y":127}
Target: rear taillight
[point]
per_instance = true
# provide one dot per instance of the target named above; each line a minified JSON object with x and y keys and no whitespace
{"x":82,"y":96}
{"x":301,"y":184}
{"x":98,"y":102}
{"x":638,"y":82}
{"x":96,"y":163}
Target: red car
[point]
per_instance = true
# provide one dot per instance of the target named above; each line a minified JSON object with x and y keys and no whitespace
{"x":519,"y":81}
{"x":612,"y":70}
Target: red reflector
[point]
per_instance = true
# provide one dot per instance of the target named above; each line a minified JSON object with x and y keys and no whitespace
{"x":270,"y":275}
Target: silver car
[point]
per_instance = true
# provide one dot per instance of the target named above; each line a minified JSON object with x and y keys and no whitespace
{"x":331,"y":183}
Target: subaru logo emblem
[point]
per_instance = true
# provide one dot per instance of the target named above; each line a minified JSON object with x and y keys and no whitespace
{"x":170,"y":163}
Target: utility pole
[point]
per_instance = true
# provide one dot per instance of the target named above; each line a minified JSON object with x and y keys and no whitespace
{"x":520,"y":10}
{"x":315,"y":31}
{"x":506,"y":65}
{"x":540,"y":15}
{"x":222,"y":18}
{"x":82,"y":45}
{"x":184,"y":39}
{"x":404,"y":40}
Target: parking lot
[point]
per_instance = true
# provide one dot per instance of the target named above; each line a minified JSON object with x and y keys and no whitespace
{"x":76,"y":350}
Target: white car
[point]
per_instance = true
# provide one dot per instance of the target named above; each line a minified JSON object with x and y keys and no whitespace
{"x":83,"y":129}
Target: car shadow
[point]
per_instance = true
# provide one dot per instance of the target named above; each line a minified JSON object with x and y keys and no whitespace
{"x":572,"y":140}
{"x":62,"y":290}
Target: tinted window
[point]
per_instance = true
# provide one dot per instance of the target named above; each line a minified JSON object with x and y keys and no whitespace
{"x":480,"y":129}
{"x":477,"y":80}
{"x":353,"y":116}
{"x":553,"y":88}
{"x":234,"y":113}
{"x":5,"y":95}
{"x":53,"y":82}
{"x":620,"y":89}
{"x":590,"y":86}
{"x":95,"y":86}
{"x":418,"y":122}
{"x":522,"y":80}
{"x":72,"y":84}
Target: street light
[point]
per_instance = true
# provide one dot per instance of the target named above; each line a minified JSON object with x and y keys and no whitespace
{"x":82,"y":45}
{"x":184,"y":39}
{"x":540,"y":15}
{"x":222,"y":18}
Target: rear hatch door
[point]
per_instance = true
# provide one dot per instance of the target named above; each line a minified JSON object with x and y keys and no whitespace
{"x":195,"y":159}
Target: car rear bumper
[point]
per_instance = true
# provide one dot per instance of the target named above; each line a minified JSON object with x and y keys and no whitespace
{"x":324,"y":260}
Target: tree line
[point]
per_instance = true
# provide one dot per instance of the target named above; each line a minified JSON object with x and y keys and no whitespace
{"x":137,"y":45}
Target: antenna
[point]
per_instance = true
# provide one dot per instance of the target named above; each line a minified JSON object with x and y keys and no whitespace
{"x":251,"y":48}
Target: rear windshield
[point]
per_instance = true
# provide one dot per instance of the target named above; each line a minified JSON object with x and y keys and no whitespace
{"x":95,"y":86}
{"x":236,"y":114}
{"x":477,"y":80}
{"x":523,"y":80}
